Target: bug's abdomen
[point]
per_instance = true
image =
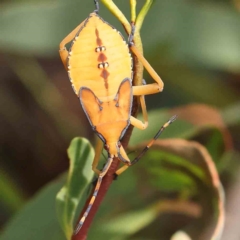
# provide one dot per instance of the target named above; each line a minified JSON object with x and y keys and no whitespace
{"x":99,"y":58}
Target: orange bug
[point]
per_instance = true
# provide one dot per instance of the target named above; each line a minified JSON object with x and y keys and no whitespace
{"x":99,"y":66}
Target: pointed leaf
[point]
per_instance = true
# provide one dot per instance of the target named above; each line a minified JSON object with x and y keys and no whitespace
{"x":80,"y":174}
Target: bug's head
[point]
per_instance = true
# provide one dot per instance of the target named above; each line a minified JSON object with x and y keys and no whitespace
{"x":112,"y":148}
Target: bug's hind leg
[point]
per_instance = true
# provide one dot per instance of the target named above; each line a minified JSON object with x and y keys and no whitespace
{"x":124,"y":158}
{"x":148,"y":88}
{"x":127,"y":162}
{"x":62,"y":47}
{"x":138,"y":123}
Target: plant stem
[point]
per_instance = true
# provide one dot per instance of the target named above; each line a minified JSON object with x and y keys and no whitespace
{"x":106,"y":182}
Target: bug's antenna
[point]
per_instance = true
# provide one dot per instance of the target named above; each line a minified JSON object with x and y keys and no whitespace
{"x":136,"y":159}
{"x":171,"y":120}
{"x":96,"y":6}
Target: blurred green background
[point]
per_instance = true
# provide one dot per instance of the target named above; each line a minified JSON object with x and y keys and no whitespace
{"x":193,"y":45}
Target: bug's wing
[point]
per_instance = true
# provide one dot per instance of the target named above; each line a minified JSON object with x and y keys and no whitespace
{"x":111,"y":118}
{"x":125,"y":105}
{"x":90,"y":104}
{"x":125,"y":97}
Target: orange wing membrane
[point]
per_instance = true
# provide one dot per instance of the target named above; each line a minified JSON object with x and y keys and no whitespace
{"x":111,"y":118}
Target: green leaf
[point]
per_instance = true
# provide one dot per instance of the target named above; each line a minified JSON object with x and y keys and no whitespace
{"x":164,"y":172}
{"x":171,"y":180}
{"x":80,"y":174}
{"x":37,"y":219}
{"x":197,"y":163}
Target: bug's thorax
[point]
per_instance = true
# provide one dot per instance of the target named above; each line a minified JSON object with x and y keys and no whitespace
{"x":99,"y":58}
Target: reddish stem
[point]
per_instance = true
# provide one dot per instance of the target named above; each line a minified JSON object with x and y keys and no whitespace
{"x":106,"y":182}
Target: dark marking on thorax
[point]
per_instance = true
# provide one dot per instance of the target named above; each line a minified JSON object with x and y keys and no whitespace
{"x":102,"y":58}
{"x":104,"y":74}
{"x":99,"y":41}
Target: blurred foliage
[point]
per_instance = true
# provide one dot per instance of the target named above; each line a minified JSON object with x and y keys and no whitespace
{"x":193,"y":45}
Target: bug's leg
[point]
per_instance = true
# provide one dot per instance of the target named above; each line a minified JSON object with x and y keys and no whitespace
{"x":126,"y":162}
{"x":138,"y":123}
{"x":152,"y":88}
{"x":95,"y":192}
{"x":149,"y":88}
{"x":62,"y":47}
{"x":98,"y":152}
{"x":123,"y":156}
